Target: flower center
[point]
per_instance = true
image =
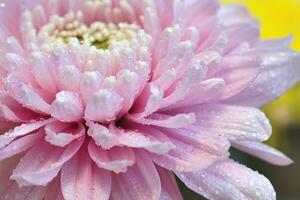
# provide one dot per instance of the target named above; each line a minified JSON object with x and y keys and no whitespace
{"x":98,"y":34}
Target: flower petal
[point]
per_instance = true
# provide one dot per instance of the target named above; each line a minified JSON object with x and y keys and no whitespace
{"x":229,"y":180}
{"x":263,"y":151}
{"x":67,"y":107}
{"x":20,"y":145}
{"x":116,"y":159}
{"x":103,"y":106}
{"x":235,"y":14}
{"x":177,"y":121}
{"x":237,"y":72}
{"x":82,"y":179}
{"x":198,"y":12}
{"x":26,"y":95}
{"x":169,"y":188}
{"x":104,"y":137}
{"x":144,"y":137}
{"x":6,"y":168}
{"x":42,"y":163}
{"x":231,"y":122}
{"x":61,"y":134}
{"x":141,"y":181}
{"x":280,"y":72}
{"x":186,"y":157}
{"x":22,"y":130}
{"x":41,"y":72}
{"x":53,"y":191}
{"x":12,"y":111}
{"x":9,"y":189}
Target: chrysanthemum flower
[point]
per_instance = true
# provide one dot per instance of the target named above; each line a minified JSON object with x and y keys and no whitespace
{"x":105,"y":99}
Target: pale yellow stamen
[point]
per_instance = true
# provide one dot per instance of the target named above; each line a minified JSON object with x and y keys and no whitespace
{"x":99,"y":34}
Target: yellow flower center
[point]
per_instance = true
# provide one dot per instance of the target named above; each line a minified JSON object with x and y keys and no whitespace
{"x":98,"y":34}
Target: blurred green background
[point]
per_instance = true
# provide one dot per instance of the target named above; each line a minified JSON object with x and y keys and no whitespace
{"x":278,"y":18}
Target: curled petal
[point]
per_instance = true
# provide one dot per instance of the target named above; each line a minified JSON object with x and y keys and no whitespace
{"x":90,"y":83}
{"x":145,"y":137}
{"x":60,"y":134}
{"x":67,"y":107}
{"x":104,"y":137}
{"x":68,"y":77}
{"x":103,"y":106}
{"x":116,"y":159}
{"x":26,"y":95}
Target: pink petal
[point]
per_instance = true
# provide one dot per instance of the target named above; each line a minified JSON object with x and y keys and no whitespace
{"x":145,"y":137}
{"x":102,"y":136}
{"x":42,"y":163}
{"x":67,"y":107}
{"x":231,"y":122}
{"x":20,"y":145}
{"x":241,"y":33}
{"x":235,"y":14}
{"x":14,"y":192}
{"x":237,"y":72}
{"x":205,"y":141}
{"x":68,"y":77}
{"x":103,"y":106}
{"x":169,"y":188}
{"x":10,"y":190}
{"x":128,"y":84}
{"x":61,"y":134}
{"x":53,"y":191}
{"x":22,"y":130}
{"x":8,"y":115}
{"x":81,"y":179}
{"x":148,"y":101}
{"x":13,"y":111}
{"x":186,"y":157}
{"x":207,"y":91}
{"x":26,"y":95}
{"x":141,"y":181}
{"x":229,"y":180}
{"x":90,"y":83}
{"x":177,"y":121}
{"x":116,"y":159}
{"x":198,"y":12}
{"x":41,"y":72}
{"x":280,"y":72}
{"x":189,"y":81}
{"x":6,"y":168}
{"x":263,"y":151}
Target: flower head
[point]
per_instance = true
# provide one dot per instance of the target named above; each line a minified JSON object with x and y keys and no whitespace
{"x":104,"y":99}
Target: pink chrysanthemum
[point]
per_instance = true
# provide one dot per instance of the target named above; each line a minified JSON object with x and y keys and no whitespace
{"x":105,"y":99}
